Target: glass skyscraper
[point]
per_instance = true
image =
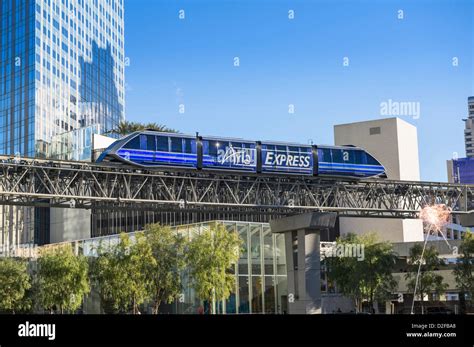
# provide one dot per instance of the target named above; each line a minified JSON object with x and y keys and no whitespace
{"x":61,"y":68}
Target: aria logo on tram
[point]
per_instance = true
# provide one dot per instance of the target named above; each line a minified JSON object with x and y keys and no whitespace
{"x":151,"y":149}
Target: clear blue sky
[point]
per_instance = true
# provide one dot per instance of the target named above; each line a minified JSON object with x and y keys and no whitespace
{"x":300,"y":62}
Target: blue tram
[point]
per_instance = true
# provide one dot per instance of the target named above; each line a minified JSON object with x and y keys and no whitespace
{"x":152,"y":149}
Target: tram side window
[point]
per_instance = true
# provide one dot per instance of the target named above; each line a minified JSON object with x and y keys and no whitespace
{"x":269,"y":147}
{"x":176,"y":144}
{"x":324,"y":155}
{"x":281,"y":149}
{"x":213,"y":146}
{"x":337,"y":156}
{"x":358,"y":157}
{"x":293,"y":150}
{"x":151,"y":146}
{"x":162,"y":143}
{"x":133,"y":143}
{"x":188,"y":148}
{"x":143,"y":142}
{"x":371,"y":160}
{"x":306,"y":150}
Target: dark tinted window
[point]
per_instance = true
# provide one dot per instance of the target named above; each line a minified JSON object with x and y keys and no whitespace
{"x":269,"y":147}
{"x":306,"y":150}
{"x":188,"y":148}
{"x":213,"y":147}
{"x":176,"y":144}
{"x":238,"y":145}
{"x":358,"y":157}
{"x":150,"y":143}
{"x":133,"y":143}
{"x":162,"y":143}
{"x":324,"y":155}
{"x":281,"y":149}
{"x":337,"y":156}
{"x":143,"y":142}
{"x":293,"y":150}
{"x":371,"y":160}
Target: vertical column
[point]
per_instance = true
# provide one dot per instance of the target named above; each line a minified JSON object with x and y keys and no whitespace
{"x":304,"y":269}
{"x":308,"y":275}
{"x":290,"y":273}
{"x":312,"y":274}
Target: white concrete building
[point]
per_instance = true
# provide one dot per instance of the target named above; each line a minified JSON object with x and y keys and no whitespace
{"x":394,"y":143}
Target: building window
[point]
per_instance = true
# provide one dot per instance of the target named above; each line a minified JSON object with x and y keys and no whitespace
{"x":375,"y":131}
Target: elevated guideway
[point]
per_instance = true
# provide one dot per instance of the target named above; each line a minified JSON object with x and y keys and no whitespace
{"x":68,"y":184}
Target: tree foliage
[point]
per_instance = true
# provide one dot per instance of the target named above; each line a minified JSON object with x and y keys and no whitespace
{"x":121,"y":272}
{"x":167,"y":248}
{"x":62,"y":279}
{"x":210,"y":258}
{"x":369,"y":279}
{"x":428,"y":280}
{"x":127,"y":127}
{"x":463,"y":271}
{"x":14,"y":284}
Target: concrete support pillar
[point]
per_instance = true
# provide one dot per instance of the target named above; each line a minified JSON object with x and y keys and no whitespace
{"x":312,"y":271}
{"x":302,"y":245}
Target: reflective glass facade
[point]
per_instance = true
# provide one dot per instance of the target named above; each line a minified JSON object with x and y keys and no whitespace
{"x":17,"y":76}
{"x":74,"y":145}
{"x":463,"y":170}
{"x":260,"y":275}
{"x":261,"y":284}
{"x":61,"y":68}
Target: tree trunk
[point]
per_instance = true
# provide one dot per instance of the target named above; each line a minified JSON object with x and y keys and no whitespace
{"x":156,"y":307}
{"x":209,"y":300}
{"x":357,"y":305}
{"x":157,"y":302}
{"x":421,"y":303}
{"x":462,"y":302}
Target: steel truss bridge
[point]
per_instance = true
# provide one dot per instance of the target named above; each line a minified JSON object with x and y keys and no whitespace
{"x":45,"y":183}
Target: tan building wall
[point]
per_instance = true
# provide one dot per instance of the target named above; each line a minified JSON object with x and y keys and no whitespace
{"x":387,"y":229}
{"x":448,"y":278}
{"x":449,"y":167}
{"x":394,"y":143}
{"x":391,"y":141}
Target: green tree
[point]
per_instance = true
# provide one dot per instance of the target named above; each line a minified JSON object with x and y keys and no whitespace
{"x":463,"y":271}
{"x":121,"y":272}
{"x":210,"y":258}
{"x":366,"y":278}
{"x":62,"y":279}
{"x":428,"y":280}
{"x":167,"y":248}
{"x":14,"y":284}
{"x":127,"y":127}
